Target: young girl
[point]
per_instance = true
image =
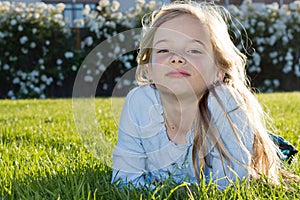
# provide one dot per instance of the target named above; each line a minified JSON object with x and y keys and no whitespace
{"x":193,"y":115}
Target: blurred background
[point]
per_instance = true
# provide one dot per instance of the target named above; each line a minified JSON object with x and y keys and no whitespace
{"x":43,"y":44}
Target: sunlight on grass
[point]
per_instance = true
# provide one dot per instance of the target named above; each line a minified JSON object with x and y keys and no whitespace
{"x":42,"y":155}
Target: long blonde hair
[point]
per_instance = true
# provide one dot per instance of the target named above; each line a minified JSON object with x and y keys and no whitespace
{"x":231,"y":63}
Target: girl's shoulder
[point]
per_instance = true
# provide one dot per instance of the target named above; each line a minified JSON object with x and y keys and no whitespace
{"x":142,"y":95}
{"x":143,"y":107}
{"x":225,"y":97}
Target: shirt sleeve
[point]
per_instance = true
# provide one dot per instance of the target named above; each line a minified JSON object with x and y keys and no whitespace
{"x":129,"y":158}
{"x":239,"y":147}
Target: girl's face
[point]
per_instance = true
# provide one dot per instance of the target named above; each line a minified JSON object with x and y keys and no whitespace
{"x":182,"y":60}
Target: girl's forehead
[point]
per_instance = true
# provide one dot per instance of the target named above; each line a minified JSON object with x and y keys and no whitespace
{"x":181,"y":27}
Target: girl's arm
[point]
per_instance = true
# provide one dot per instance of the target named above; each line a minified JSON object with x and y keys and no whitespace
{"x":129,"y":158}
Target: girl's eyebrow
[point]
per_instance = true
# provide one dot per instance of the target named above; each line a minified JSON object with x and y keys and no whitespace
{"x":199,"y":42}
{"x":159,"y":41}
{"x":192,"y":41}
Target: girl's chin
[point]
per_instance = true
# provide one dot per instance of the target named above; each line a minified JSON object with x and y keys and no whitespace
{"x":179,"y":90}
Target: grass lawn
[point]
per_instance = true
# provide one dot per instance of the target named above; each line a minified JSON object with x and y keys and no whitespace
{"x":42,"y":155}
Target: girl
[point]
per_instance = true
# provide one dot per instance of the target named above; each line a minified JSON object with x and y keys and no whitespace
{"x":193,"y":115}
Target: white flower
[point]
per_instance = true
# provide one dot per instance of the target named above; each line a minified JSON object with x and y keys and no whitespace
{"x":115,"y":6}
{"x":36,"y":90}
{"x":260,"y":48}
{"x":20,"y":28}
{"x":13,"y":58}
{"x":104,"y":3}
{"x":44,"y":78}
{"x":79,"y":23}
{"x":256,"y":58}
{"x":151,"y":5}
{"x":275,"y":61}
{"x":2,"y":35}
{"x":35,"y":73}
{"x":276,"y":82}
{"x":99,"y":55}
{"x":36,"y":15}
{"x":105,"y":86}
{"x":140,"y":2}
{"x":13,"y":22}
{"x":102,"y":67}
{"x":24,"y":50}
{"x":74,"y":67}
{"x":42,"y":86}
{"x":297,"y":70}
{"x":121,"y":37}
{"x":88,"y":78}
{"x":126,"y":82}
{"x":60,"y":7}
{"x":110,"y":24}
{"x":267,"y":82}
{"x":117,"y":16}
{"x":61,"y":76}
{"x":86,"y":10}
{"x":117,"y":50}
{"x":59,"y":17}
{"x":59,"y":61}
{"x":127,"y":65}
{"x":288,"y":56}
{"x":254,"y":69}
{"x":272,"y":40}
{"x":32,"y":45}
{"x":273,"y":54}
{"x":49,"y":81}
{"x":294,"y":5}
{"x":69,"y":54}
{"x":47,"y":42}
{"x":10,"y":93}
{"x":23,"y":39}
{"x":89,"y":41}
{"x":41,"y":61}
{"x":34,"y":30}
{"x":16,"y":80}
{"x":288,"y":67}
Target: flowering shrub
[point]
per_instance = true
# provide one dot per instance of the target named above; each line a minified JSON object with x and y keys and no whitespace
{"x":35,"y":54}
{"x":104,"y":23}
{"x":273,"y":32}
{"x":275,"y":35}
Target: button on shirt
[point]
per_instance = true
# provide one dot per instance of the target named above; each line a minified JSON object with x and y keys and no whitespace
{"x":145,"y":155}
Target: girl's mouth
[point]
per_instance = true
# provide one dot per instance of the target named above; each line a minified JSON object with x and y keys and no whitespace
{"x":178,"y":73}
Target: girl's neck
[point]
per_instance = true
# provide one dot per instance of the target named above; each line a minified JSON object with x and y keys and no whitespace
{"x":179,"y":114}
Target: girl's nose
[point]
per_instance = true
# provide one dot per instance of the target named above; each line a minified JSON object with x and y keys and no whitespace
{"x":177,"y":59}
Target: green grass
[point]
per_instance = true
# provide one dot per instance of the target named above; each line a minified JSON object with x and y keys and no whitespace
{"x":42,"y":155}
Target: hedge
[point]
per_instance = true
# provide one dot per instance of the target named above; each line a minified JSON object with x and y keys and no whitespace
{"x":39,"y":58}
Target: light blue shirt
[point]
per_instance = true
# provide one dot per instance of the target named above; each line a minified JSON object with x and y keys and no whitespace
{"x":144,"y":154}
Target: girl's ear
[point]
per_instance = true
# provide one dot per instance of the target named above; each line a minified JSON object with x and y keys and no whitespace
{"x":221,"y":74}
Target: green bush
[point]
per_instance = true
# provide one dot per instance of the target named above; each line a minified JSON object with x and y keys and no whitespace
{"x":38,"y":58}
{"x":270,"y":33}
{"x":36,"y":55}
{"x":275,"y":35}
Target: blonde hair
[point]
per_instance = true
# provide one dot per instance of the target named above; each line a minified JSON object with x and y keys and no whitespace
{"x":231,"y":63}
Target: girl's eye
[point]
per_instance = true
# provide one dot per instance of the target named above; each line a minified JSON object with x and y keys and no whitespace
{"x":194,"y":51}
{"x":162,"y":51}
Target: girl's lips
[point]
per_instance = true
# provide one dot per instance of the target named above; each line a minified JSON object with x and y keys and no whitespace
{"x":178,"y":73}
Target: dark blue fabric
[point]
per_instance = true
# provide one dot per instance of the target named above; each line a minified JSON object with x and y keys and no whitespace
{"x":287,"y":149}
